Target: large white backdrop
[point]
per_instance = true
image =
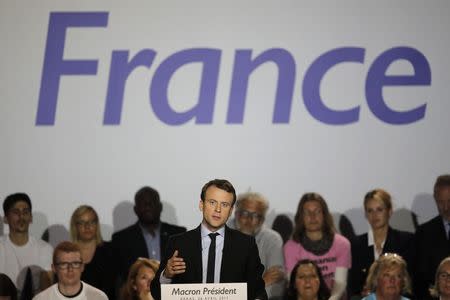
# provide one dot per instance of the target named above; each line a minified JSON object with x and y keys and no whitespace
{"x":78,"y":156}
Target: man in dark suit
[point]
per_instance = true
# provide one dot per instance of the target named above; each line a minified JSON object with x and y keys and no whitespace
{"x":147,"y":237}
{"x":235,"y":258}
{"x":432,"y":242}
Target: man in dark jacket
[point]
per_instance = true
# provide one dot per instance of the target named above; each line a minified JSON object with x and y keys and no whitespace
{"x":147,"y":237}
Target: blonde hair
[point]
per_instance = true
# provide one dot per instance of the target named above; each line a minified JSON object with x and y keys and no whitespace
{"x":434,"y":290}
{"x":81,"y":210}
{"x":379,"y":194}
{"x":128,"y":292}
{"x":388,"y":261}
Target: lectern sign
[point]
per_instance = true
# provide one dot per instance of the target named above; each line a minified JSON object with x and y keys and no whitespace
{"x":204,"y":291}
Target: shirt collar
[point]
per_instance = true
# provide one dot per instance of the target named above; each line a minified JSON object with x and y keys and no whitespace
{"x":371,"y":240}
{"x":145,"y":231}
{"x":205,"y":231}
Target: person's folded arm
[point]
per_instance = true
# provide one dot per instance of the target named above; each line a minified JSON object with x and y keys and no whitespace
{"x":340,"y":283}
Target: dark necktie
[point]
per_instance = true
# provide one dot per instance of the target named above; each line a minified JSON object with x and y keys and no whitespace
{"x":211,"y":258}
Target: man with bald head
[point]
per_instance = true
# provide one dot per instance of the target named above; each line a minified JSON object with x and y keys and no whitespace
{"x":147,"y":237}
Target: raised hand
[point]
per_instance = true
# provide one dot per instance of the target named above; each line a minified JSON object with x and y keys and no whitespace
{"x":175,"y":265}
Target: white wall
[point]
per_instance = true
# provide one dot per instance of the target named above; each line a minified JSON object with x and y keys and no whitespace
{"x":80,"y":160}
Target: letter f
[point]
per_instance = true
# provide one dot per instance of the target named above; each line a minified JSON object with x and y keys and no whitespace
{"x":54,"y":64}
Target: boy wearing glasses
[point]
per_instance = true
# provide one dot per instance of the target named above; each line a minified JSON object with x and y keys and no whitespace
{"x":24,"y":258}
{"x":68,"y":266}
{"x":212,"y":252}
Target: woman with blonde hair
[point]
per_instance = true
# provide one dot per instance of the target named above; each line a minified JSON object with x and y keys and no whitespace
{"x":95,"y":253}
{"x":441,"y":288}
{"x":381,"y":238}
{"x":388,"y":279}
{"x":140,"y":276}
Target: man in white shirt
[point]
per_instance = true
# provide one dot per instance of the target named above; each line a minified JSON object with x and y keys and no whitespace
{"x":68,"y":266}
{"x":20,"y":253}
{"x":250,"y":213}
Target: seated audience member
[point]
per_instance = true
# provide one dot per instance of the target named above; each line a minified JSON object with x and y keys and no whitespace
{"x":250,"y":213}
{"x":139,"y":279}
{"x":25,"y":259}
{"x":388,"y":278}
{"x":381,"y":238}
{"x":315,"y":238}
{"x":433,"y":240}
{"x":95,"y":253}
{"x":147,"y":237}
{"x":68,"y":266}
{"x":284,"y":226}
{"x":306,"y":282}
{"x":8,"y":290}
{"x":441,"y":288}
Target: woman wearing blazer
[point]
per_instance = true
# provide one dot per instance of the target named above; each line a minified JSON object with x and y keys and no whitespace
{"x":380,"y":239}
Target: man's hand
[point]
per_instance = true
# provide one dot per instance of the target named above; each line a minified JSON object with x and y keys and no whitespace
{"x":175,"y":265}
{"x":273,"y":275}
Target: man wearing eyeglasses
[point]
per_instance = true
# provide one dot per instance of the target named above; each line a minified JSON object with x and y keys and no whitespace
{"x":68,"y":266}
{"x":250,"y":214}
{"x":24,"y":258}
{"x":212,"y":252}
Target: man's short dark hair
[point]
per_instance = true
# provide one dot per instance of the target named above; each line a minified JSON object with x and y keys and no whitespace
{"x":442,"y":181}
{"x":146,"y":192}
{"x":222,"y":184}
{"x":13,"y":199}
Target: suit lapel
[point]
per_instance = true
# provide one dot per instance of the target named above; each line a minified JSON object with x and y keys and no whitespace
{"x":197,"y":255}
{"x":142,"y":246}
{"x":163,"y":237}
{"x":369,"y":255}
{"x":227,"y":255}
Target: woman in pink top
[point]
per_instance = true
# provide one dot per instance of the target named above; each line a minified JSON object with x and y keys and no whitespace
{"x":315,"y":238}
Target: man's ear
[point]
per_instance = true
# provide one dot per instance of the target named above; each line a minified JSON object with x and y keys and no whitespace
{"x":5,"y":219}
{"x":200,"y":205}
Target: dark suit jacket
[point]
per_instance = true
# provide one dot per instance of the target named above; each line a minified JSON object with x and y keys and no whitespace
{"x":400,"y":242}
{"x":129,"y":244}
{"x":240,"y":261}
{"x":100,"y":271}
{"x":432,"y":246}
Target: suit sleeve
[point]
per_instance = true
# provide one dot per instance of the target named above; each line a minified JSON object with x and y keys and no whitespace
{"x":156,"y":284}
{"x":256,"y":288}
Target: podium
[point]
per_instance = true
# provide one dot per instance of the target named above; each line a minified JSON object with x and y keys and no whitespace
{"x":204,"y":291}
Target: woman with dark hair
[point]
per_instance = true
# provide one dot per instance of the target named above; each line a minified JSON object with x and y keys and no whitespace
{"x":381,"y":238}
{"x":306,"y":282}
{"x":8,"y":290}
{"x":95,"y":253}
{"x":315,"y":238}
